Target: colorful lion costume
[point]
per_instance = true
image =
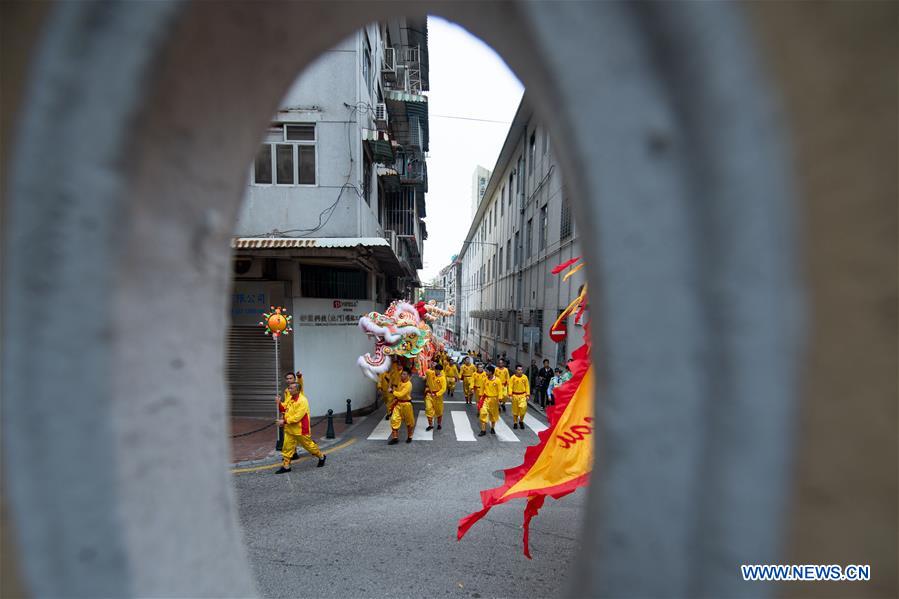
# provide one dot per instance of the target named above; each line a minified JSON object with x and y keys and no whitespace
{"x":401,"y":333}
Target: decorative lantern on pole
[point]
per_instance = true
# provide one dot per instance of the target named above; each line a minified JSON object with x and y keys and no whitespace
{"x":277,"y":323}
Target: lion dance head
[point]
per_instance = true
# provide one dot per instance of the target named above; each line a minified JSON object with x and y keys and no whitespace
{"x":401,"y":333}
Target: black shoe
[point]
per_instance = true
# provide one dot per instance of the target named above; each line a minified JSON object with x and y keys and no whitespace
{"x":296,"y":456}
{"x":514,"y":425}
{"x":482,"y":433}
{"x":387,"y":417}
{"x":393,"y":441}
{"x":492,"y":431}
{"x":282,"y":470}
{"x":409,"y":440}
{"x":439,"y":427}
{"x":321,"y":461}
{"x":429,"y":428}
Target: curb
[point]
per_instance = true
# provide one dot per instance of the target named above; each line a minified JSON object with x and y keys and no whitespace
{"x":274,"y":456}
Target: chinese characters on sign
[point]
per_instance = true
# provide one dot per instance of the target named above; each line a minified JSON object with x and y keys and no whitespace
{"x":248,"y":304}
{"x":319,"y":320}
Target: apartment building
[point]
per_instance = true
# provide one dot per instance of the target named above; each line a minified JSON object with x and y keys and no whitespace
{"x":523,"y":228}
{"x":331,"y":225}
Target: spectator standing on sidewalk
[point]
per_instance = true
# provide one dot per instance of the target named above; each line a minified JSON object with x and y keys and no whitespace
{"x":553,"y":383}
{"x":543,"y":378}
{"x":533,"y":371}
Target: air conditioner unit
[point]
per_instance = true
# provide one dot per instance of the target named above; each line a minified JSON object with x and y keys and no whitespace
{"x":381,"y":116}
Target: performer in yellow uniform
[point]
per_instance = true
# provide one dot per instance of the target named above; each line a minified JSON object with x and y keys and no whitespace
{"x":393,"y":379}
{"x":402,"y":409}
{"x":435,"y":387}
{"x":520,"y":390}
{"x":467,"y":373}
{"x":297,"y":429}
{"x":502,"y":373}
{"x":488,"y":405}
{"x":477,"y":384}
{"x":452,"y":375}
{"x":383,"y":385}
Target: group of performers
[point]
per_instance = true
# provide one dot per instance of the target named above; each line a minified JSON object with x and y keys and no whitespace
{"x":489,"y":388}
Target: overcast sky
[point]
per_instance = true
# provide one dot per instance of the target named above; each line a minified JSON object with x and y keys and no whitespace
{"x":468,"y":79}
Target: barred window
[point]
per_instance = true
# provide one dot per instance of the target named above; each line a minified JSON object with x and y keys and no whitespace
{"x":565,"y":228}
{"x":336,"y":283}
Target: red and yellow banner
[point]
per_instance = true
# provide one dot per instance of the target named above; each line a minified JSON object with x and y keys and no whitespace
{"x":562,"y":460}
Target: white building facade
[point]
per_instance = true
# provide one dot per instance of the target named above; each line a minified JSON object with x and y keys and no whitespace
{"x":523,"y":228}
{"x":331,"y":226}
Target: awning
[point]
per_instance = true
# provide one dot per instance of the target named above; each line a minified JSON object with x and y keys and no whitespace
{"x":416,"y":105}
{"x":379,"y":145}
{"x":378,"y":247}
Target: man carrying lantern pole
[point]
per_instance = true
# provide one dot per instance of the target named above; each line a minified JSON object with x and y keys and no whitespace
{"x":297,"y":429}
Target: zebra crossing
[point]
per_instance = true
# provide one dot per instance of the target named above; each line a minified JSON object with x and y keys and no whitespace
{"x":464,"y":426}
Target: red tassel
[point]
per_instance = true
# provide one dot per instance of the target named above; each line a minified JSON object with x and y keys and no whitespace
{"x":564,"y":265}
{"x":533,"y":506}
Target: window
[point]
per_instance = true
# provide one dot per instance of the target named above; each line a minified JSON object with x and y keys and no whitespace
{"x":496,"y":265}
{"x":538,"y":317}
{"x":517,"y":249}
{"x":565,"y":228}
{"x":509,"y":255}
{"x":520,"y":171}
{"x":290,"y":159}
{"x":527,"y":237}
{"x":543,"y":224}
{"x":263,"y":166}
{"x":366,"y":64}
{"x":366,"y":180}
{"x":545,"y":141}
{"x":500,"y":257}
{"x":532,"y":153}
{"x":333,"y":283}
{"x":284,"y":170}
{"x":502,"y":201}
{"x":510,"y":189}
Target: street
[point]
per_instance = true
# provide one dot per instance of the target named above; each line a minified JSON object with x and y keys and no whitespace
{"x":380,"y":521}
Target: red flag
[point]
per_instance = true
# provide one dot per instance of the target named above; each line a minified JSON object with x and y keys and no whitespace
{"x":562,"y":461}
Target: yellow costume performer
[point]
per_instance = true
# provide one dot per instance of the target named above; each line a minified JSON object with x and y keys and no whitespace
{"x":477,"y":385}
{"x":488,"y":407}
{"x":467,"y":372}
{"x":502,"y":373}
{"x":394,"y":376}
{"x":452,"y":375}
{"x":520,"y":390}
{"x":297,"y":429}
{"x":402,"y":409}
{"x":435,"y":382}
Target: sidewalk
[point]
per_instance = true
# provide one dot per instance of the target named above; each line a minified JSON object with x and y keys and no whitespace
{"x":249,"y":443}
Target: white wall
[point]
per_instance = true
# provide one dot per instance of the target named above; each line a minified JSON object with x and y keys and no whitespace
{"x":326,"y":355}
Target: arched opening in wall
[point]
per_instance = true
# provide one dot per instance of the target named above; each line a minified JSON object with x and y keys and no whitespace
{"x":661,"y":114}
{"x":406,"y":163}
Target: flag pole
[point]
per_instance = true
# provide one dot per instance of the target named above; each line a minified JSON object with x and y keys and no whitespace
{"x":279,"y":434}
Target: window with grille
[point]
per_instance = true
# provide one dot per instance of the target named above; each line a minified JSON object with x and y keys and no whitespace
{"x":337,"y":283}
{"x":543,"y":225}
{"x":527,"y":238}
{"x":565,"y":228}
{"x":538,"y":322}
{"x":532,"y":153}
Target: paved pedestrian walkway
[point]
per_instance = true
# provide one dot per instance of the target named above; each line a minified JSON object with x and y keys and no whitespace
{"x":254,"y":438}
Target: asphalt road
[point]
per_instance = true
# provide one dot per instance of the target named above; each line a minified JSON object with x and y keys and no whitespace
{"x":380,"y":521}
